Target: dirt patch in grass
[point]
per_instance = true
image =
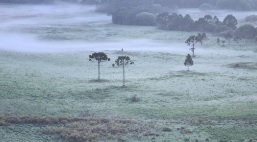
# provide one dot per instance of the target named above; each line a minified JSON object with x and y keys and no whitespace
{"x":243,"y":65}
{"x":42,"y":120}
{"x":98,"y":81}
{"x":87,"y":128}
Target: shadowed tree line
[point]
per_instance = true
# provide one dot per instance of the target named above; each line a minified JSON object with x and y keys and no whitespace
{"x":135,"y":12}
{"x":208,"y":23}
{"x":226,"y":28}
{"x":214,"y":4}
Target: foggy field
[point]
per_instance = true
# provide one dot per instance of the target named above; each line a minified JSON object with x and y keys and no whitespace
{"x":45,"y":71}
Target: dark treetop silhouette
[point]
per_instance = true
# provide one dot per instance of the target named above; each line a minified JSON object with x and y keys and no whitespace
{"x":192,"y":40}
{"x":123,"y":60}
{"x":99,"y":57}
{"x":188,"y":61}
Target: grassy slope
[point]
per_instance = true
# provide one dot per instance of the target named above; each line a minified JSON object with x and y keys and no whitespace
{"x":63,"y":84}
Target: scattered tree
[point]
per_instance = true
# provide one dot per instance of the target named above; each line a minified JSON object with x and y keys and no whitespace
{"x":246,"y":31}
{"x":216,"y":20}
{"x":99,"y":57}
{"x":230,"y":21}
{"x":163,"y":20}
{"x":251,"y":18}
{"x":188,"y":61}
{"x":191,"y":41}
{"x":201,"y":37}
{"x":208,"y":18}
{"x":122,"y":61}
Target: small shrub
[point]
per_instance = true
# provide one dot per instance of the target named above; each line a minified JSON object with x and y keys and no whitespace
{"x":205,"y":6}
{"x":166,"y":129}
{"x":145,"y":19}
{"x":134,"y":99}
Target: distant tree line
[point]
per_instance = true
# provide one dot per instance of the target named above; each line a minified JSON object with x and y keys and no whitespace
{"x":226,"y":28}
{"x":211,"y":24}
{"x":217,"y":4}
{"x":152,"y":13}
{"x":208,"y":23}
{"x":133,"y":16}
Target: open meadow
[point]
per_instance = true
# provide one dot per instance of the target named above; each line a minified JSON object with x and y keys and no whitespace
{"x":49,"y":91}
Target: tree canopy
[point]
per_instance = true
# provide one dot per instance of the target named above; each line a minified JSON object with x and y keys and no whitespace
{"x":188,"y":61}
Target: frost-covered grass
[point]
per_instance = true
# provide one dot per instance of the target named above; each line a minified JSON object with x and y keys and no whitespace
{"x":63,"y":84}
{"x":46,"y":72}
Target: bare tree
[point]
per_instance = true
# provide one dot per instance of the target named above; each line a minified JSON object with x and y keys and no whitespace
{"x":201,"y":37}
{"x":191,"y":41}
{"x":99,"y":57}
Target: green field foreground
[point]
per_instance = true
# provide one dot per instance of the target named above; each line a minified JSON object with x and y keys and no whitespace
{"x":214,"y":104}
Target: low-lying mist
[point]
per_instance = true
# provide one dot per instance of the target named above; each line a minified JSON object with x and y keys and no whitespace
{"x":30,"y":27}
{"x":30,"y":43}
{"x":70,"y":27}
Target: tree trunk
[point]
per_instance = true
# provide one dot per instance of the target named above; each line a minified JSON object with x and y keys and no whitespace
{"x":123,"y":73}
{"x":193,"y":50}
{"x":98,"y":70}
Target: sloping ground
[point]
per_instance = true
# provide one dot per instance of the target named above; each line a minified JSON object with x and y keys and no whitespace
{"x":244,"y":65}
{"x":201,"y":104}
